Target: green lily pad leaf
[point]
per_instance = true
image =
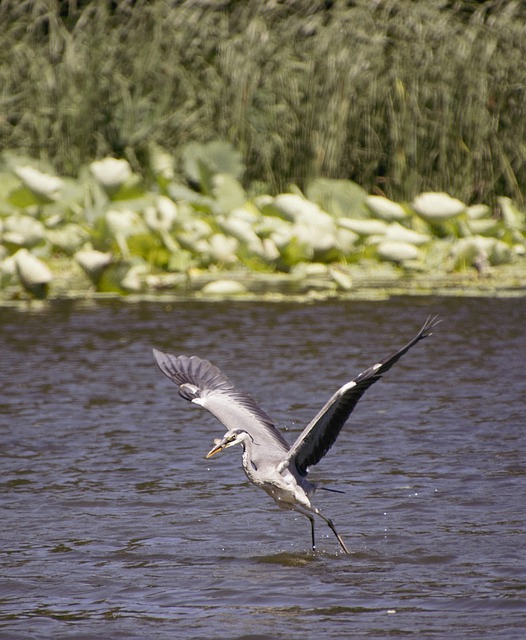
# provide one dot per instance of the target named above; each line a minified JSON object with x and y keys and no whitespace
{"x":8,"y":183}
{"x":216,"y":157}
{"x":513,"y":218}
{"x":150,"y":249}
{"x":181,"y":193}
{"x":294,"y":252}
{"x":7,"y":272}
{"x":112,"y":277}
{"x":180,"y":261}
{"x":228,"y":192}
{"x":93,"y":263}
{"x":22,"y":198}
{"x":161,"y":164}
{"x":122,"y":224}
{"x":132,"y":189}
{"x":338,"y":197}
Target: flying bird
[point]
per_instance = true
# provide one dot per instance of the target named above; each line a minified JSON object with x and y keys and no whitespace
{"x":268,"y":460}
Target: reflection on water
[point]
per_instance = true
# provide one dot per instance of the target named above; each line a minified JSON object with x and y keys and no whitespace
{"x":114,"y":524}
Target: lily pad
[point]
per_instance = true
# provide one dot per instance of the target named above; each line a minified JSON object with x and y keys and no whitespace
{"x":111,"y":173}
{"x":485,"y":227}
{"x":43,"y":185}
{"x":338,"y":197}
{"x":397,"y":251}
{"x":514,"y":219}
{"x":294,"y":207}
{"x":22,"y":230}
{"x":399,"y":233}
{"x":478,"y":212}
{"x":240,"y":225}
{"x":467,"y":251}
{"x":161,"y":164}
{"x":201,"y":161}
{"x":224,"y":288}
{"x":385,"y":209}
{"x":227,"y":192}
{"x":67,"y":238}
{"x":33,"y":273}
{"x":438,"y":207}
{"x":223,"y":248}
{"x":93,"y":262}
{"x":364,"y":227}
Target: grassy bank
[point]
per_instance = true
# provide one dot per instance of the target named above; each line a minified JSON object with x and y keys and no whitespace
{"x":399,"y":96}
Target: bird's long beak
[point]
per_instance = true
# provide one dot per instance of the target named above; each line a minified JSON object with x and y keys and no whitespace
{"x":219,"y":446}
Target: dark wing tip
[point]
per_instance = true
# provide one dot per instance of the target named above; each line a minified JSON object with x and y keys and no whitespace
{"x":312,"y":445}
{"x":163,"y":362}
{"x":429,"y":325}
{"x":159,"y":357}
{"x":193,"y":371}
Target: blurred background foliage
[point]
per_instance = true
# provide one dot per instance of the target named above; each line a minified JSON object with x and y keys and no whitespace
{"x":399,"y":96}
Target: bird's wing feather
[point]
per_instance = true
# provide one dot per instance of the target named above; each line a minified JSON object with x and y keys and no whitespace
{"x":319,"y":436}
{"x":204,"y":384}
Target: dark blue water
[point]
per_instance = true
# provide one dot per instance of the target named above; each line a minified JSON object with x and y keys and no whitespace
{"x":113,"y":525}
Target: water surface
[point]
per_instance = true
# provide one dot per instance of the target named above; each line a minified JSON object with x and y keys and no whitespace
{"x":115,"y":526}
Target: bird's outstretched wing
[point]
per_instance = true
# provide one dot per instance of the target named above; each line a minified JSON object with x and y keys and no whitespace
{"x":319,"y":436}
{"x":202,"y":383}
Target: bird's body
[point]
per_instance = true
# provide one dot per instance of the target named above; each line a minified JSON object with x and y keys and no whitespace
{"x":268,"y":460}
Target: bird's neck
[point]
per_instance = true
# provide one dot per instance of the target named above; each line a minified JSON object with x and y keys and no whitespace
{"x":248,"y":460}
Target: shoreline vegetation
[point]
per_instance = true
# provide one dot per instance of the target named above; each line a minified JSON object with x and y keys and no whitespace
{"x":108,"y":233}
{"x":262,"y":149}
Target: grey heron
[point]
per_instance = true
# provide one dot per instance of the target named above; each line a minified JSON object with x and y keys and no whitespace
{"x":268,"y":460}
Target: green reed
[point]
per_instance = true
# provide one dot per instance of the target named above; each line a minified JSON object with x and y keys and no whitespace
{"x":399,"y":96}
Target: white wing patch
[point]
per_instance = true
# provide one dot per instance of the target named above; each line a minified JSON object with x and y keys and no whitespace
{"x":347,"y":386}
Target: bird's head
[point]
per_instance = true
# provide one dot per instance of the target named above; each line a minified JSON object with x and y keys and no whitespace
{"x":232,"y":437}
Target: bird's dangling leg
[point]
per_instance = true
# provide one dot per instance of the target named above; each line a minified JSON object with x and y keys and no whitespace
{"x":333,"y":529}
{"x":312,"y":532}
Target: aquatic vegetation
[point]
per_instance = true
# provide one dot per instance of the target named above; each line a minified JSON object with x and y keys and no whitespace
{"x":44,"y":186}
{"x":34,"y":275}
{"x":210,"y":236}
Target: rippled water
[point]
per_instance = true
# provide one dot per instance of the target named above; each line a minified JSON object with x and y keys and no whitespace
{"x":115,"y":526}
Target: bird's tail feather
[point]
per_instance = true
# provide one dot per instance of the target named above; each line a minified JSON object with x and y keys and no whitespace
{"x":332,"y":490}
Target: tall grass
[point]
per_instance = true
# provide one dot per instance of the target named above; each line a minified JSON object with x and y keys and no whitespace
{"x":399,"y":96}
